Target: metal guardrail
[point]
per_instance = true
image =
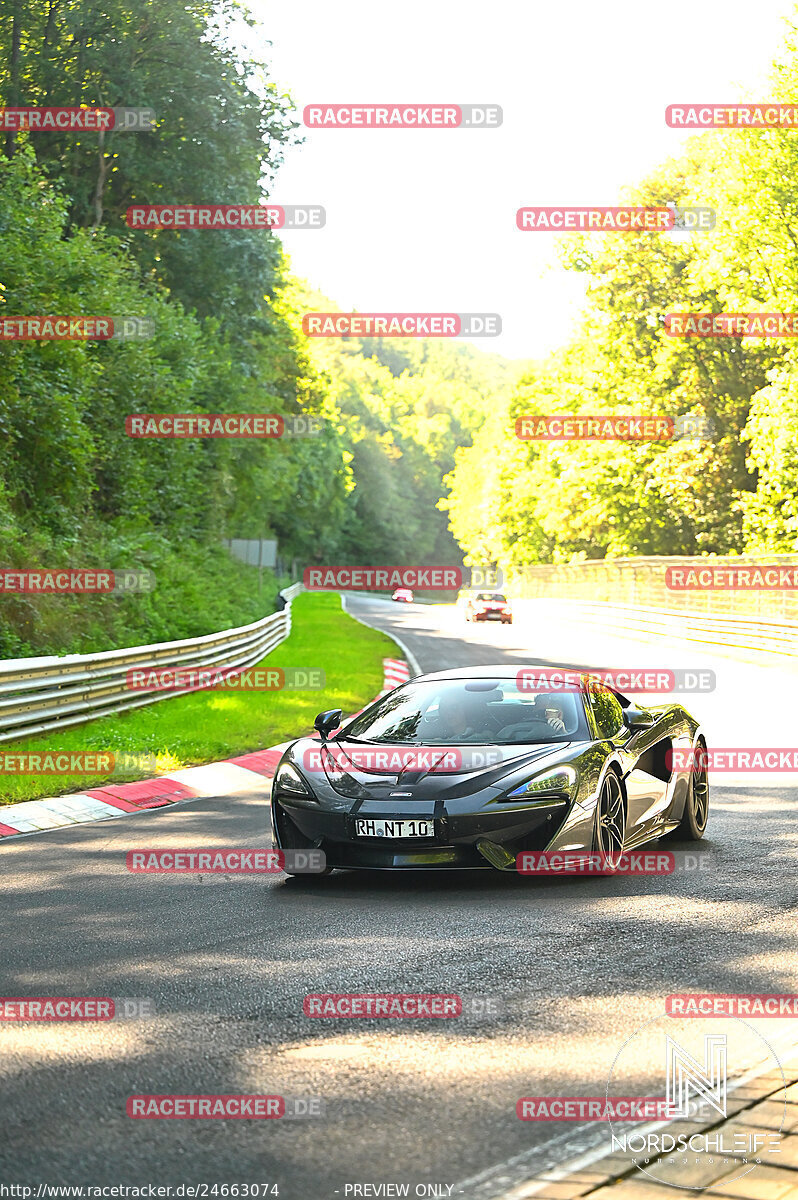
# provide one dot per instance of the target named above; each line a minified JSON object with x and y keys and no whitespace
{"x":773,"y":637}
{"x":642,"y":582}
{"x":37,"y":694}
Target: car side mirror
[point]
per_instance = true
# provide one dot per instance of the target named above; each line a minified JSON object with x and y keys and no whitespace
{"x":327,"y":721}
{"x":637,"y":718}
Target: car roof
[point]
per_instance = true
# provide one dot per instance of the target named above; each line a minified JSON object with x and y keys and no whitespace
{"x":496,"y":671}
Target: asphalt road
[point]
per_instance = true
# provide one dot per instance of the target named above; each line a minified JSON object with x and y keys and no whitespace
{"x":568,"y":969}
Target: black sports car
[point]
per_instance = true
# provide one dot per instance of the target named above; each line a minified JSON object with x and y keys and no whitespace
{"x":467,"y":768}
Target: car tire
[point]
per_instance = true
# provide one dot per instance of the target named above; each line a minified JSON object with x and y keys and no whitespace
{"x":693,"y":824}
{"x":609,"y":828}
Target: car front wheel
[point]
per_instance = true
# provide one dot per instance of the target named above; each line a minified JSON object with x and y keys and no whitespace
{"x":693,"y":824}
{"x":610,"y":829}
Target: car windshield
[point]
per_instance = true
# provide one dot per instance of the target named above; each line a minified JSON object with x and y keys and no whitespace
{"x":492,"y":596}
{"x":454,"y":712}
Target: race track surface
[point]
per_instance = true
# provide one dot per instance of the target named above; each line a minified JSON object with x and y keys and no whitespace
{"x":556,"y":972}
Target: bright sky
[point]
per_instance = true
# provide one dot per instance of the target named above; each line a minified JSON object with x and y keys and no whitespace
{"x":423,"y":221}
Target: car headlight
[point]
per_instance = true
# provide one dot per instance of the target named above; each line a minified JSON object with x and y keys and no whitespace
{"x":555,"y":784}
{"x":338,"y":776}
{"x":289,"y":779}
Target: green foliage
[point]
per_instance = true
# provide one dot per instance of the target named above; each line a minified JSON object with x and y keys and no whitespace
{"x":735,"y":492}
{"x":770,"y":514}
{"x":221,"y":131}
{"x":417,"y":459}
{"x":75,"y":490}
{"x":404,"y":407}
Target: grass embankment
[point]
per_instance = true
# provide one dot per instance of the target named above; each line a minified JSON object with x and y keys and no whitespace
{"x":197,"y":589}
{"x":209,"y":725}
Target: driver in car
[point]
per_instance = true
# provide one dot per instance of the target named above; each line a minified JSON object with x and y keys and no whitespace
{"x":546,"y":714}
{"x":463,"y":718}
{"x":552,"y":714}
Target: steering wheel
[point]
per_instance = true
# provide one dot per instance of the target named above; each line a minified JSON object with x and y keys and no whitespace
{"x":526,"y":730}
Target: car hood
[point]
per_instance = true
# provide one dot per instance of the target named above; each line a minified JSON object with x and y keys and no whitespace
{"x":373,"y":768}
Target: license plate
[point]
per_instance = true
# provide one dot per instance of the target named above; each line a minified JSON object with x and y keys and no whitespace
{"x":364,"y":827}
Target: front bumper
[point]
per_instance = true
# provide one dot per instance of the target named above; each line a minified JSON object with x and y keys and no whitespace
{"x":512,"y":828}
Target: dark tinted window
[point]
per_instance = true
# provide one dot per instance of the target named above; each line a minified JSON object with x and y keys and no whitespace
{"x":607,"y":710}
{"x":454,"y":712}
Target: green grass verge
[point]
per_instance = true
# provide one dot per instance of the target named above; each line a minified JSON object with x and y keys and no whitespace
{"x":210,"y":725}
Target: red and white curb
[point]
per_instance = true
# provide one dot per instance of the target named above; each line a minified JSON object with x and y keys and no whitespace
{"x":106,"y":803}
{"x":394,"y":673}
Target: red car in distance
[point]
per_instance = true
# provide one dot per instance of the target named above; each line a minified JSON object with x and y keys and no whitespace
{"x":403,"y":595}
{"x":489,"y":606}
